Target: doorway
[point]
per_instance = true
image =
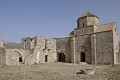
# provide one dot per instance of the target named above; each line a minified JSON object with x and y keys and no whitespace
{"x":20,"y":58}
{"x":46,"y":58}
{"x":82,"y":57}
{"x":61,"y":57}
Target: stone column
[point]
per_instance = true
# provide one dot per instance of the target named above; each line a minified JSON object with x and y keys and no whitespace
{"x":74,"y":49}
{"x":93,"y":48}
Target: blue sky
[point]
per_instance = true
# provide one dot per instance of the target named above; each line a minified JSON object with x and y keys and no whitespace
{"x":51,"y":18}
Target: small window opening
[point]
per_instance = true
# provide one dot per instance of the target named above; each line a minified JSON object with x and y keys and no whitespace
{"x":83,"y":24}
{"x":46,"y":58}
{"x":49,"y":50}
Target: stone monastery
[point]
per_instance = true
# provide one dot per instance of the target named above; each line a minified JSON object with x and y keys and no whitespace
{"x":89,"y":43}
{"x":92,"y":43}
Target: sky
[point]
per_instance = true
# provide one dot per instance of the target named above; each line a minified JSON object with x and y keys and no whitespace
{"x":51,"y":18}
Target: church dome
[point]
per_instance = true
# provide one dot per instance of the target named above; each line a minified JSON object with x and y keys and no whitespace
{"x":87,"y":19}
{"x":88,"y":14}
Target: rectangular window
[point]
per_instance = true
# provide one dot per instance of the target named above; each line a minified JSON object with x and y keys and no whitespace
{"x":46,"y":58}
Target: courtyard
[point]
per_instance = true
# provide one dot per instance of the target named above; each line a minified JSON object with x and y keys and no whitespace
{"x":59,"y":71}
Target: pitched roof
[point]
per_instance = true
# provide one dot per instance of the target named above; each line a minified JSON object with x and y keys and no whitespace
{"x":106,"y":27}
{"x":88,"y":14}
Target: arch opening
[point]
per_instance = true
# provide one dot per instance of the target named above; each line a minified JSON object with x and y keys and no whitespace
{"x":20,"y":58}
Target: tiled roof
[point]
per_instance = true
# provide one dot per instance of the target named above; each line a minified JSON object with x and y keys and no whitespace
{"x":88,"y":14}
{"x":106,"y":27}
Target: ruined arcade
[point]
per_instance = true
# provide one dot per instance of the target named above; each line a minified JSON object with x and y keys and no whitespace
{"x":33,"y":50}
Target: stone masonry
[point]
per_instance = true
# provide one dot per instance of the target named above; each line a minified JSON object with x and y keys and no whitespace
{"x":34,"y":50}
{"x":92,"y":43}
{"x":89,"y":43}
{"x":42,"y":49}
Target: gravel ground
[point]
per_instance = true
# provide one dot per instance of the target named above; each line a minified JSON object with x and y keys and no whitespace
{"x":58,"y":71}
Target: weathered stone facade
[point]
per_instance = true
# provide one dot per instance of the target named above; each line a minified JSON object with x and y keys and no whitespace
{"x":43,"y":49}
{"x":88,"y":43}
{"x":1,"y":43}
{"x":60,"y":47}
{"x":34,"y":50}
{"x":92,"y":43}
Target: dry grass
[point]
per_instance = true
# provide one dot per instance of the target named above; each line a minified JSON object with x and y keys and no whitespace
{"x":58,"y":71}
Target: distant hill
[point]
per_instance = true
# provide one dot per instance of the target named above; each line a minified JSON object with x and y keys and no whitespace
{"x":60,"y":44}
{"x":12,"y":45}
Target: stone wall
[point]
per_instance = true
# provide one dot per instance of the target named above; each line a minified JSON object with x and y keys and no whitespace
{"x":2,"y":56}
{"x":84,"y":31}
{"x":82,"y":45}
{"x":1,"y":43}
{"x":12,"y":57}
{"x":87,"y":21}
{"x":104,"y":48}
{"x":116,"y":45}
{"x":93,"y":43}
{"x":16,"y":56}
{"x":68,"y":49}
{"x":40,"y":48}
{"x":28,"y":43}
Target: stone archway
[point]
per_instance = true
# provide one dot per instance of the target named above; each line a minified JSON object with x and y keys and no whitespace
{"x":20,"y":57}
{"x":82,"y":53}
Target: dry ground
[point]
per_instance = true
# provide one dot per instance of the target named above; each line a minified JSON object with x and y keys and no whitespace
{"x":58,"y":71}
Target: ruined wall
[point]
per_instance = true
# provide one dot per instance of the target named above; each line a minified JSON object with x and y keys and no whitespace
{"x":31,"y":59}
{"x":104,"y":48}
{"x":1,"y":43}
{"x":41,"y":47}
{"x":28,"y":43}
{"x":2,"y":56}
{"x":46,"y":47}
{"x":12,"y":57}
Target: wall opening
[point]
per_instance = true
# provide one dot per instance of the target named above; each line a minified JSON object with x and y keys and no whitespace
{"x":82,"y":57}
{"x":46,"y":58}
{"x":61,"y":57}
{"x":20,"y":58}
{"x":83,"y":24}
